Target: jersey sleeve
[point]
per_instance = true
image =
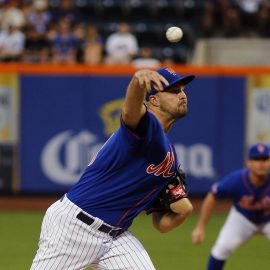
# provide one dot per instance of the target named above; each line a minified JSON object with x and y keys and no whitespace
{"x":227,"y":187}
{"x":144,"y":131}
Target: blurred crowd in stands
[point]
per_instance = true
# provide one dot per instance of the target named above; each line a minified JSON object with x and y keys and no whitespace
{"x":111,"y":32}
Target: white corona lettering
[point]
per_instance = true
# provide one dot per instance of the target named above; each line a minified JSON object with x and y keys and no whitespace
{"x":66,"y":155}
{"x":196,"y":160}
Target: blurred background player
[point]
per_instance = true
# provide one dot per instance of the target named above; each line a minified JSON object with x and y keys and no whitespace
{"x":89,"y":226}
{"x":249,"y":189}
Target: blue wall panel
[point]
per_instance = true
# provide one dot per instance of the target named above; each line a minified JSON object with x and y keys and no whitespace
{"x":66,"y":119}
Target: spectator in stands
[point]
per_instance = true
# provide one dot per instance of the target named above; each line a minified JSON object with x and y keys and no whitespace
{"x":66,"y":10}
{"x":248,"y":10}
{"x":79,"y":34}
{"x":208,"y":25}
{"x":64,"y":45}
{"x":220,"y":19}
{"x":121,"y":46}
{"x":220,"y":13}
{"x":262,"y":26}
{"x":11,"y":44}
{"x":39,"y":17}
{"x":93,"y":47}
{"x":146,"y":60}
{"x":37,"y":45}
{"x":229,"y":18}
{"x":11,"y":15}
{"x":249,"y":6}
{"x":232,"y":24}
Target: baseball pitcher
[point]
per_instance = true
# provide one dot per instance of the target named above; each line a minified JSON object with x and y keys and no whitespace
{"x":136,"y":169}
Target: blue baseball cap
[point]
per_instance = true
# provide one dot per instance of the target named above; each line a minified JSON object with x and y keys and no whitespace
{"x":258,"y":151}
{"x":173,"y":78}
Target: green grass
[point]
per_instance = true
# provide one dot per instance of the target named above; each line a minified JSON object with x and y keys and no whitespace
{"x":19,"y":232}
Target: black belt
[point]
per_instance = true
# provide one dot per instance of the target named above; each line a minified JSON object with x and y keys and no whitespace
{"x":103,"y":228}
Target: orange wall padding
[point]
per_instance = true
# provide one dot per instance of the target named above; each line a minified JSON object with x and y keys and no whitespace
{"x":80,"y":69}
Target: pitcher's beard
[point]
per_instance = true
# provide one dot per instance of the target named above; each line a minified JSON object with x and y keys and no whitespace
{"x":182,"y":112}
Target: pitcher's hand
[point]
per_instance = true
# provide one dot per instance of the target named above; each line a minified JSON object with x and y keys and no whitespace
{"x":148,"y":78}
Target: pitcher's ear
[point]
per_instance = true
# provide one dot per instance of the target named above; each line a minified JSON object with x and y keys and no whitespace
{"x":154,"y":100}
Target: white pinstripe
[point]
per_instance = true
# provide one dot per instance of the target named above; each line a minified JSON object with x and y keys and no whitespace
{"x":68,"y":243}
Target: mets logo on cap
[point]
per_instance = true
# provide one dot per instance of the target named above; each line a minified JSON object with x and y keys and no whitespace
{"x":171,"y":71}
{"x":260,"y":148}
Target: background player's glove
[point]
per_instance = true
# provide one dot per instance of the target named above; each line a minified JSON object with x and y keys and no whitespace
{"x":174,"y":191}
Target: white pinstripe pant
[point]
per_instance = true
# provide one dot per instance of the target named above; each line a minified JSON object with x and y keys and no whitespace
{"x":236,"y":230}
{"x":66,"y":243}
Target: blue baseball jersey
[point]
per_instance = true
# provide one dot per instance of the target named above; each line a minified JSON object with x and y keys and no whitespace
{"x":253,"y":203}
{"x":127,"y":174}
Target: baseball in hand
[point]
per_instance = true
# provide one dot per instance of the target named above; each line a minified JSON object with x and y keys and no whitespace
{"x":174,"y":34}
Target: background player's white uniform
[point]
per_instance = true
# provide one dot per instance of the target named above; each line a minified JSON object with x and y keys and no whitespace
{"x":249,"y":215}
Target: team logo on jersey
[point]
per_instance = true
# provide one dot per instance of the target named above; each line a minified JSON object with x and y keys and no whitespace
{"x":163,"y":168}
{"x":249,"y":203}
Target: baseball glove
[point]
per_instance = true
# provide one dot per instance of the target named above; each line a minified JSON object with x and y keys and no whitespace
{"x":174,"y":191}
